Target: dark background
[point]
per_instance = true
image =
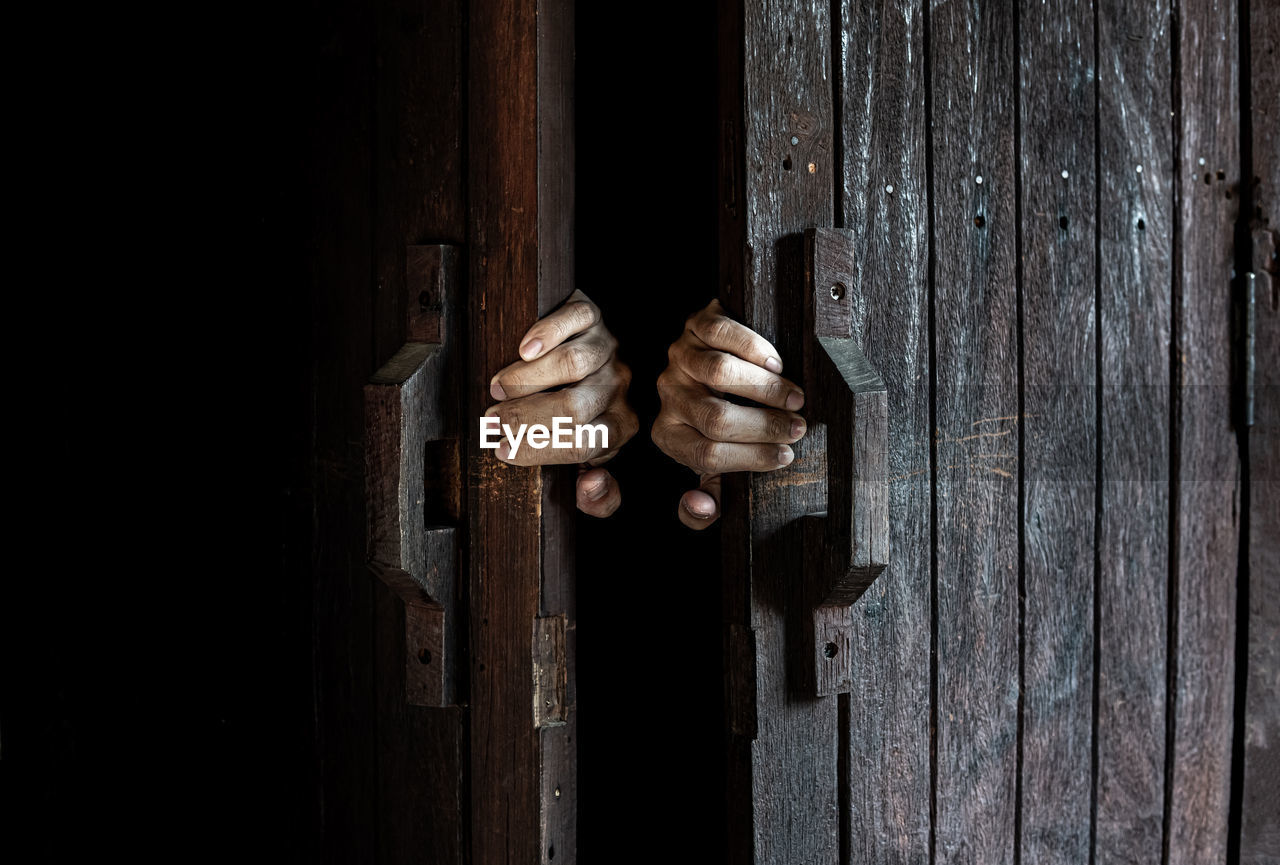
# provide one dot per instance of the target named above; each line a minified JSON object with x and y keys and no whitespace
{"x":160,"y":676}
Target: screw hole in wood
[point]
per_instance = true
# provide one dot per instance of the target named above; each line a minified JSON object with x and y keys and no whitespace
{"x":786,"y":163}
{"x":980,"y":220}
{"x":837,"y":291}
{"x":425,"y":656}
{"x":830,"y":650}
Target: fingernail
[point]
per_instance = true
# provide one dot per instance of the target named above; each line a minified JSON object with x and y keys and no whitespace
{"x":797,"y":428}
{"x":773,"y":364}
{"x":785,"y":455}
{"x":595,"y":492}
{"x":795,"y":399}
{"x":503,"y":452}
{"x":497,"y":392}
{"x":531,"y":349}
{"x":697,"y":514}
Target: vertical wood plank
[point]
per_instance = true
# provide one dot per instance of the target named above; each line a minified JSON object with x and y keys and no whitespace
{"x":778,"y":130}
{"x":520,"y":133}
{"x":1058,"y":213}
{"x":342,"y":208}
{"x":1207,"y":481}
{"x":977,"y":435}
{"x":884,"y":198}
{"x":1135,"y":212}
{"x":1260,"y":825}
{"x":558,"y":773}
{"x":418,"y":189}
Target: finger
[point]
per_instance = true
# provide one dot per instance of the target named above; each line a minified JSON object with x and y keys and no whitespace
{"x":587,"y":399}
{"x":565,"y":364}
{"x":723,"y":421}
{"x":598,"y":493}
{"x":687,"y":446}
{"x":701,"y":507}
{"x":726,"y":373}
{"x":577,"y":315}
{"x":719,"y":331}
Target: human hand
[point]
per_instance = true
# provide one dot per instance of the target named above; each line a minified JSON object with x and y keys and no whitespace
{"x":698,"y":428}
{"x":572,"y":348}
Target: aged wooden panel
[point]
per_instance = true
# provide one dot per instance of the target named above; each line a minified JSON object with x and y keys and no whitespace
{"x":557,"y":792}
{"x":1059,"y":333}
{"x":520,"y":134}
{"x":341,"y":233}
{"x":1135,"y":216}
{"x":1260,"y":807}
{"x":420,"y":200}
{"x":1206,"y":481}
{"x":741,"y":680}
{"x":778,"y":130}
{"x":882,"y":196}
{"x":977,"y":430}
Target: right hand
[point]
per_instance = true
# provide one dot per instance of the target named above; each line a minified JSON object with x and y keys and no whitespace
{"x":698,"y":428}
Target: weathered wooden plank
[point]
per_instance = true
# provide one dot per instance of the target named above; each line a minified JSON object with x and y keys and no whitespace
{"x":740,"y":653}
{"x":1059,"y":467}
{"x":1135,"y":213}
{"x":1206,"y":481}
{"x":418,"y":189}
{"x":1260,"y":813}
{"x":520,"y":133}
{"x":341,"y":231}
{"x":977,"y":435}
{"x":883,"y":198}
{"x":778,"y":140}
{"x":557,"y":178}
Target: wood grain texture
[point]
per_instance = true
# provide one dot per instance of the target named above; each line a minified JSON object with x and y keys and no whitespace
{"x":1135,"y":213}
{"x":1260,"y":804}
{"x":342,"y":601}
{"x":976,"y":404}
{"x":557,"y":178}
{"x":854,"y":410}
{"x":420,"y":203}
{"x":1059,"y":333}
{"x":881,"y":116}
{"x":1206,"y":490}
{"x":783,"y":112}
{"x":520,"y":165}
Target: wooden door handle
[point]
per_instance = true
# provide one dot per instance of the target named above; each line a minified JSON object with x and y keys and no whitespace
{"x":412,"y":475}
{"x":852,"y":537}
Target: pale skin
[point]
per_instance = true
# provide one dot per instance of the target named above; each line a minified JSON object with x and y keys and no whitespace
{"x":716,"y":356}
{"x":570,"y":349}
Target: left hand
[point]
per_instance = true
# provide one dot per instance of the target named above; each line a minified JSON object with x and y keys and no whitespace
{"x":570,"y":347}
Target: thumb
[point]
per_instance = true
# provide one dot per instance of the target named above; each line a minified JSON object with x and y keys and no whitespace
{"x":701,"y":507}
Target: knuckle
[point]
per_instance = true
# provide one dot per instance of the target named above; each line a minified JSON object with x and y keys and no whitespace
{"x":715,"y":421}
{"x":578,"y":316}
{"x":719,"y":330}
{"x":575,"y":361}
{"x":630,"y":425}
{"x":779,"y":427}
{"x":707,"y":455}
{"x":718,"y":370}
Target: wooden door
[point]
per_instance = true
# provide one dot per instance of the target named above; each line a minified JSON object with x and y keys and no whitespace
{"x":451,"y":712}
{"x":1042,"y":205}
